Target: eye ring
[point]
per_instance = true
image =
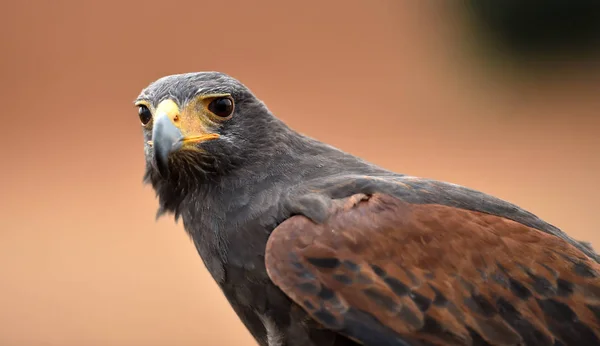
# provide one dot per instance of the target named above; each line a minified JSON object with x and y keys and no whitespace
{"x":144,"y":114}
{"x":222,"y":107}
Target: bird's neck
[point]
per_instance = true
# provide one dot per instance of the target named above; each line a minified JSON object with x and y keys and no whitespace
{"x":286,"y":159}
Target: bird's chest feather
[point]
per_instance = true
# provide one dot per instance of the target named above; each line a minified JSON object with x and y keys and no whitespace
{"x":231,"y":241}
{"x":230,"y":234}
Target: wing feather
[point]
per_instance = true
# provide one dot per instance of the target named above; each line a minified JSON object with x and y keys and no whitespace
{"x":383,"y":271}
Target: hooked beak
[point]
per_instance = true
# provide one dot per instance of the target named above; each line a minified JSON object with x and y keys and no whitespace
{"x":166,"y":138}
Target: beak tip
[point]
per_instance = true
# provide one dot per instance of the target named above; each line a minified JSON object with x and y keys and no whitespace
{"x":162,"y":155}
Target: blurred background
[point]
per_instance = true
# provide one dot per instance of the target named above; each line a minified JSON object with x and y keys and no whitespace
{"x":495,"y":95}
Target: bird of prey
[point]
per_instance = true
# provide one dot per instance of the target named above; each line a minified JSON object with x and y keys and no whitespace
{"x":313,"y":246}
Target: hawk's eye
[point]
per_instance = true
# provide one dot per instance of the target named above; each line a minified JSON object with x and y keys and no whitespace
{"x":145,"y":114}
{"x":221,"y":107}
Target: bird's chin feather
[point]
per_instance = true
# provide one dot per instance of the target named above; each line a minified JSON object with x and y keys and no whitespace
{"x":188,"y":170}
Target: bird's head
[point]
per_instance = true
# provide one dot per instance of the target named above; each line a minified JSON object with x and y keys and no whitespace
{"x":201,"y":124}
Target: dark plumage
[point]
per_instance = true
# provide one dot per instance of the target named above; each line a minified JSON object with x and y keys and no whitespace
{"x":313,"y":246}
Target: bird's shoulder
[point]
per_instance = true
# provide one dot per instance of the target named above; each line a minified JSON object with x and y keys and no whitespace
{"x":311,"y":197}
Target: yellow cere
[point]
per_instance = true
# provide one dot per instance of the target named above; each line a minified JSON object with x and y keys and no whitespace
{"x":170,"y":108}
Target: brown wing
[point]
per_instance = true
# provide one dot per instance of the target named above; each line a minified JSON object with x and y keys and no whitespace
{"x":385,"y":272}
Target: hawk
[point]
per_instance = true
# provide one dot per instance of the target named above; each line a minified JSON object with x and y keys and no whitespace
{"x":313,"y":246}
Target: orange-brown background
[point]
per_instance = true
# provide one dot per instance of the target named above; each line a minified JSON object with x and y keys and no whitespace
{"x":82,"y":260}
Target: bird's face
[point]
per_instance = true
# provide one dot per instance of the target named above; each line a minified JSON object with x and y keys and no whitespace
{"x":194,"y":123}
{"x":182,"y":129}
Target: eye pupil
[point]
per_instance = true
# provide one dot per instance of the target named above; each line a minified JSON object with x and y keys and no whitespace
{"x":222,"y":107}
{"x":145,"y":115}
